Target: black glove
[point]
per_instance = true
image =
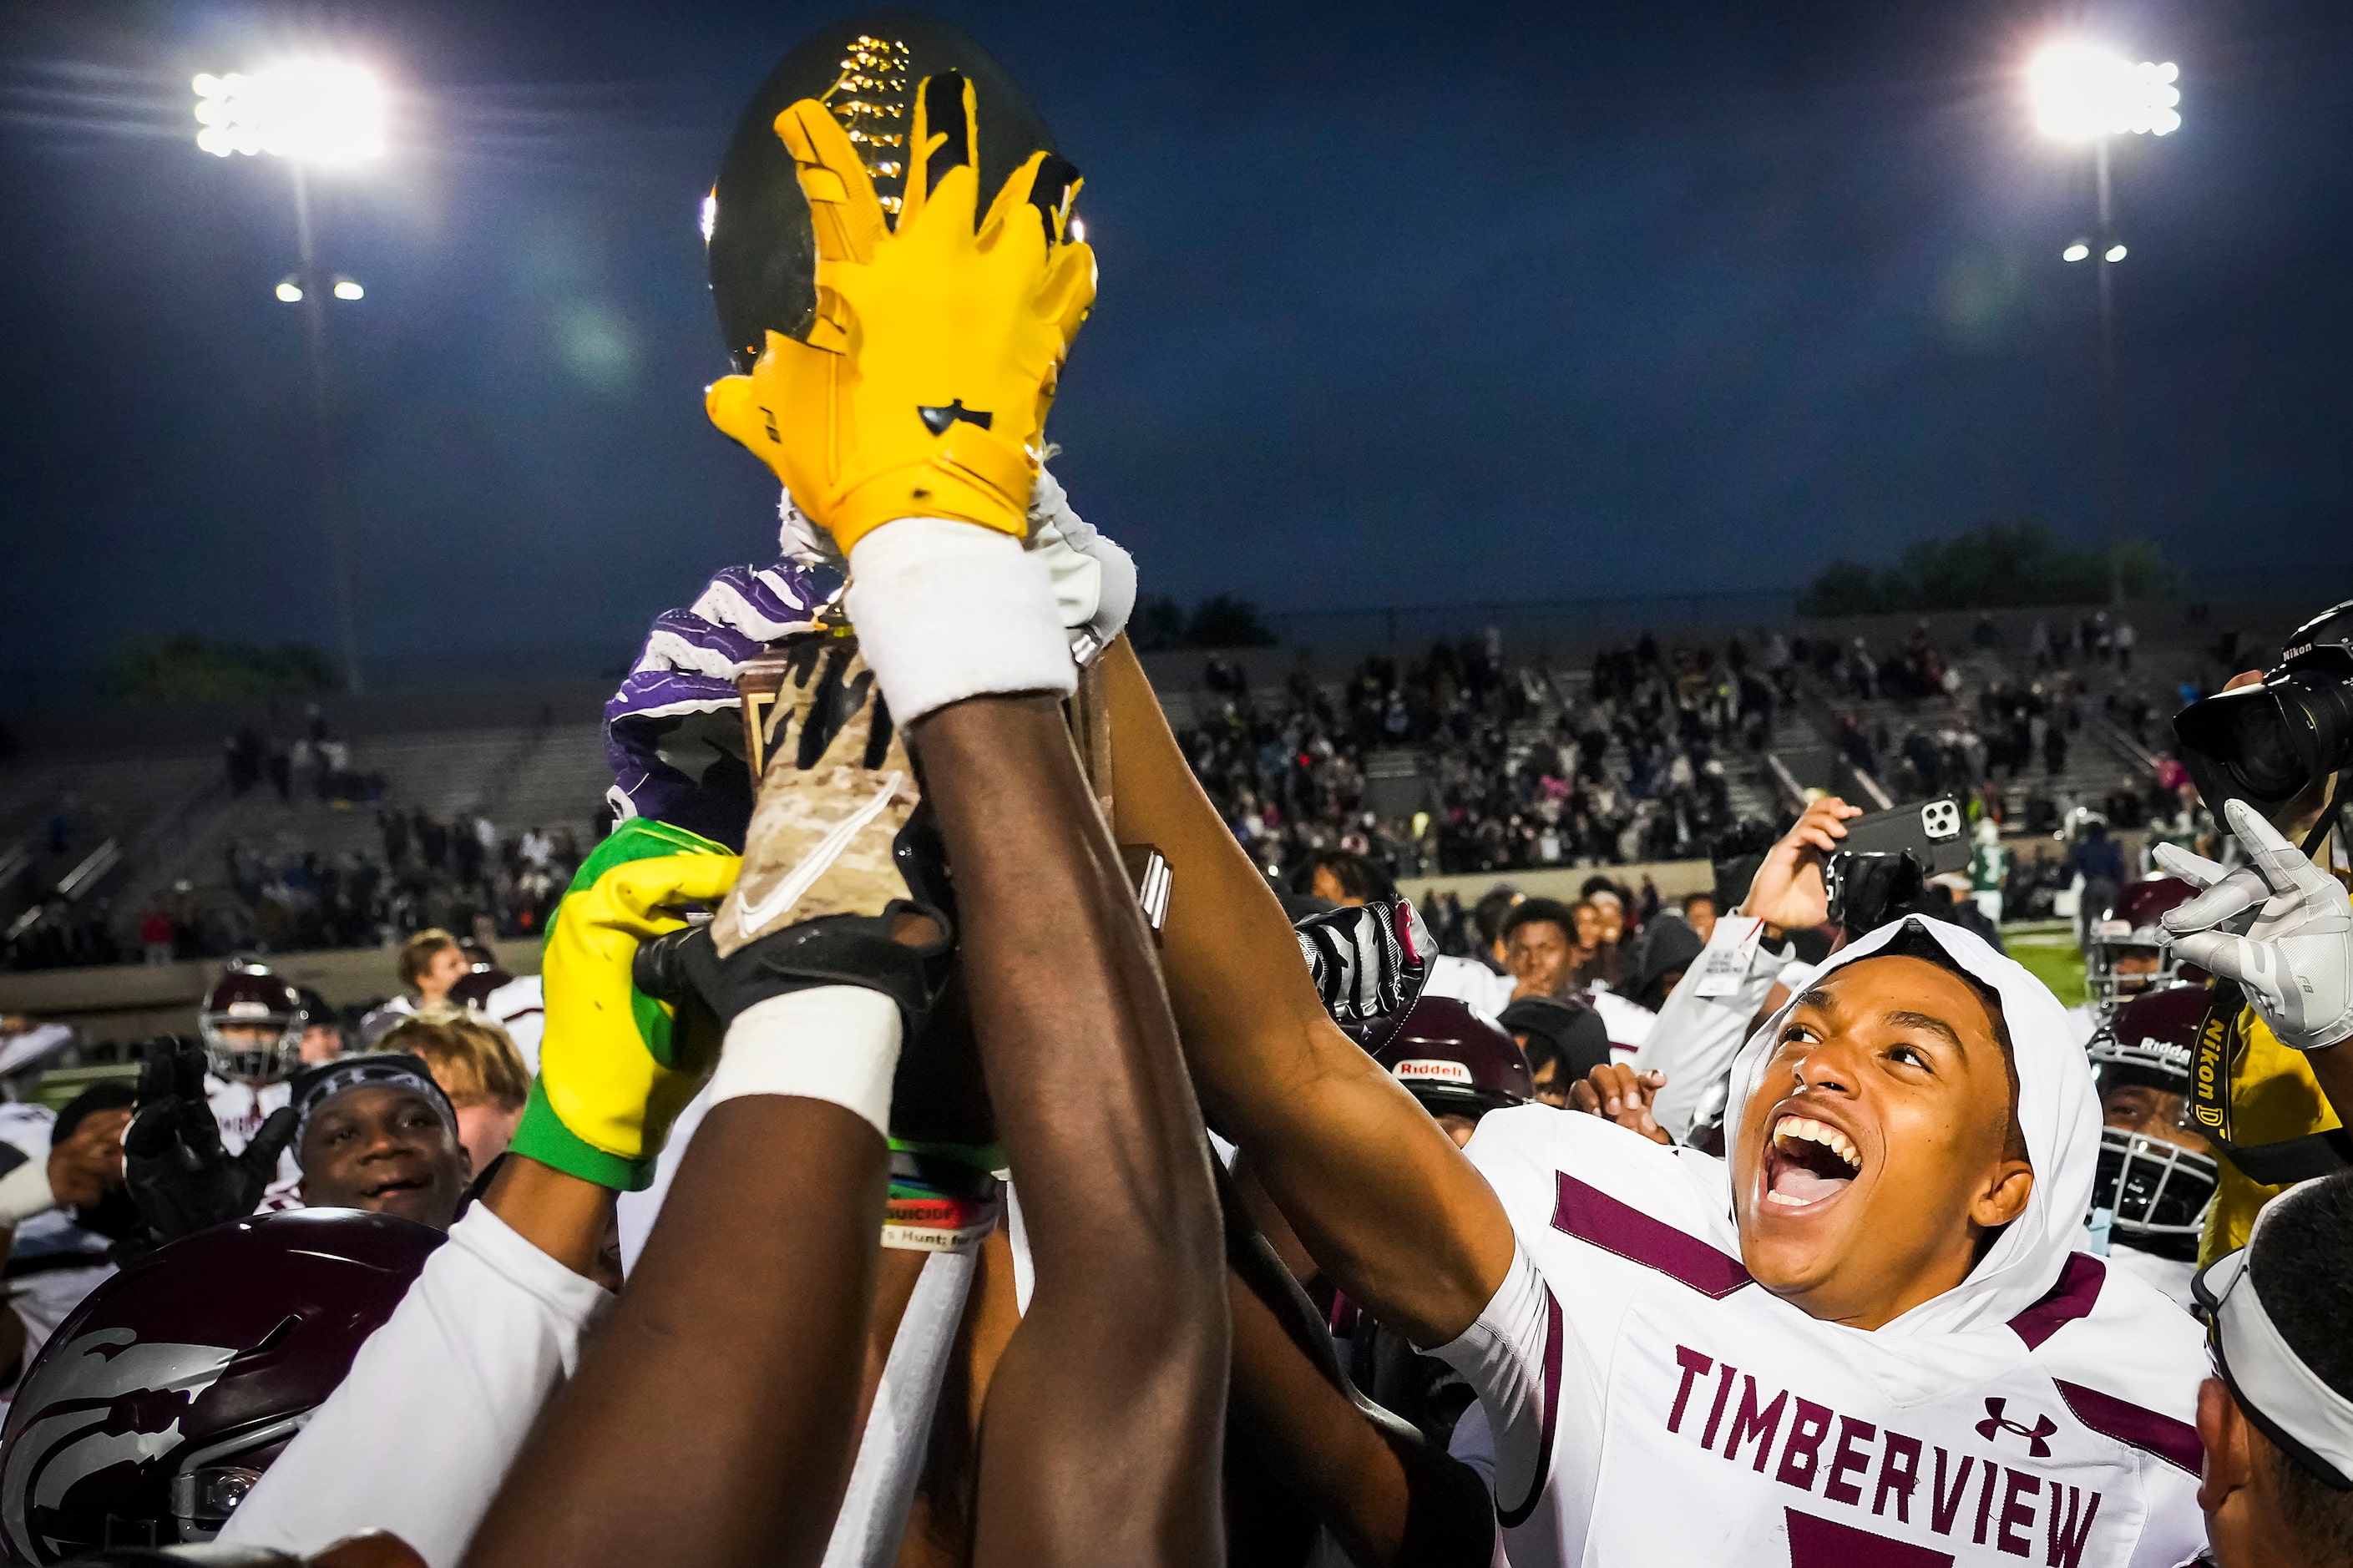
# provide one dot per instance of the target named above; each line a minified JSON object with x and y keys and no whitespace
{"x":1369,"y":961}
{"x":904,"y":952}
{"x":174,"y":1164}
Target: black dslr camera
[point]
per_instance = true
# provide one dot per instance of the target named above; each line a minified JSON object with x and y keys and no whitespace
{"x":2266,"y":744}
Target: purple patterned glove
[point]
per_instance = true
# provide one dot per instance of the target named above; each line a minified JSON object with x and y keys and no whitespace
{"x":671,"y":732}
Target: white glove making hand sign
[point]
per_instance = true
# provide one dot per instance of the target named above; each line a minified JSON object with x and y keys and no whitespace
{"x":2281,"y":927}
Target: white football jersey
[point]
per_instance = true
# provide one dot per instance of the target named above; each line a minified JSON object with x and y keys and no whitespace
{"x":240,"y":1109}
{"x":2170,"y":1276}
{"x":1651,"y":1404}
{"x":1467,"y":979}
{"x":53,"y":1262}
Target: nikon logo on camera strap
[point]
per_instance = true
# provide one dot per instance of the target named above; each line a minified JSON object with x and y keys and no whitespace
{"x":2221,"y":1040}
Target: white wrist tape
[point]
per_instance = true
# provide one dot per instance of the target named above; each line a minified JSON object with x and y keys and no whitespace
{"x":25,"y":1191}
{"x":831,"y":1042}
{"x":948,"y":610}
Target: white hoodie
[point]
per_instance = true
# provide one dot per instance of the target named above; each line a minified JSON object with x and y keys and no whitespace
{"x":1651,"y":1404}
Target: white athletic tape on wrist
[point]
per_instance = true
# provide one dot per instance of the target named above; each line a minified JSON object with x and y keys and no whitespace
{"x":25,"y":1191}
{"x":831,"y":1042}
{"x":947,"y":610}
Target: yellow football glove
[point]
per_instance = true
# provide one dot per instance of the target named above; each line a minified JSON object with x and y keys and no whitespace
{"x":615,"y":1067}
{"x":924,"y":387}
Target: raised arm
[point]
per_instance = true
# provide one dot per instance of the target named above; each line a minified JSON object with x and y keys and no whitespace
{"x":1381,"y":1197}
{"x":1121,"y":1358}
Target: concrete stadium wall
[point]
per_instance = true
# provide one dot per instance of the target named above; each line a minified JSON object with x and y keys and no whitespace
{"x":130,"y":1001}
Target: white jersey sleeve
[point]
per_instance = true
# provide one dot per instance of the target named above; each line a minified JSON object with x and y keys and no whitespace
{"x":1705,"y":1020}
{"x":452,"y":1382}
{"x":1530,"y":1379}
{"x":1471,"y":982}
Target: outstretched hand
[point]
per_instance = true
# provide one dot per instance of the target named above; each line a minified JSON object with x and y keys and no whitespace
{"x":86,"y":1166}
{"x":1616,"y":1092}
{"x":177,"y":1169}
{"x":1787,"y":893}
{"x":2280,"y":926}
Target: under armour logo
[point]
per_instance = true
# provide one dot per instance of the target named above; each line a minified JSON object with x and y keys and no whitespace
{"x":2035,"y":1434}
{"x":937,"y":420}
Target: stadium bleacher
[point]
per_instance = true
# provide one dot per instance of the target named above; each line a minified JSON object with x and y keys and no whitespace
{"x":143,"y":811}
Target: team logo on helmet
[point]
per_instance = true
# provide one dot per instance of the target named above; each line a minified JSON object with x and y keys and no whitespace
{"x":108,"y":1398}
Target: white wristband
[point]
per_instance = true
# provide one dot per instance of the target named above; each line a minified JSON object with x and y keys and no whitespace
{"x":25,"y":1191}
{"x":948,"y":610}
{"x":831,"y":1042}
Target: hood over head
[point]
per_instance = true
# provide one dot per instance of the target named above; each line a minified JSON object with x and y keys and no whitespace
{"x":2058,"y":1110}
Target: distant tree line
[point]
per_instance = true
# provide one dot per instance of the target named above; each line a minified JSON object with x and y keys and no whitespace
{"x":2002,"y":565}
{"x":1224,"y":620}
{"x":187,"y":669}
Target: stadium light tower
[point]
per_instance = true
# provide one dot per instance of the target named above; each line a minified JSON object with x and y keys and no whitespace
{"x":312,"y":114}
{"x":2081,"y":93}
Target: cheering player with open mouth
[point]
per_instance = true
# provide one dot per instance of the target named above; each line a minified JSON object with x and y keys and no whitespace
{"x":1864,"y":1338}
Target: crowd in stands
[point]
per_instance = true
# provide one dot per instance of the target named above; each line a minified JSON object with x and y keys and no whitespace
{"x":464,"y":873}
{"x":315,"y":762}
{"x":1517,"y":770}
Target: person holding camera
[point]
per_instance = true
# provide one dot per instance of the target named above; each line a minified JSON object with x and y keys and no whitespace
{"x":2271,"y":753}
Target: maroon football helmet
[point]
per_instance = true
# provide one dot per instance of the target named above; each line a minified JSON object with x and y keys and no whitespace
{"x":251,"y":1022}
{"x":473,"y":990}
{"x":1451,"y":1059}
{"x":2130,"y":930}
{"x":162,"y":1398}
{"x":2156,"y":1189}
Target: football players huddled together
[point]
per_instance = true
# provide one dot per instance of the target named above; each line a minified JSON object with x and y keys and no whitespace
{"x":930,"y":1139}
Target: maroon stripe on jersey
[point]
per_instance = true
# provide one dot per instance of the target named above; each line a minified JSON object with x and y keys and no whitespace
{"x":2175,"y":1442}
{"x":1510,"y":1518}
{"x":2073,"y":1297}
{"x":1822,"y":1543}
{"x":1590,"y":1214}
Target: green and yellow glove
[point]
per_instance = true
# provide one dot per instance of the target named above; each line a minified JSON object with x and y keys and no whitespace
{"x":924,"y":387}
{"x":616,"y":1066}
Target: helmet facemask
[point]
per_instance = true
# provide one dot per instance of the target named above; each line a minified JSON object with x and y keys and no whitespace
{"x":251,"y":1050}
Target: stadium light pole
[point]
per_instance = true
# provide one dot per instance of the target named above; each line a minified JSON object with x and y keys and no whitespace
{"x":311,"y":113}
{"x":2080,"y":93}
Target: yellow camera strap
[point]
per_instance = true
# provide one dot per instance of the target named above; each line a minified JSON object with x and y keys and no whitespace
{"x":2221,"y":1042}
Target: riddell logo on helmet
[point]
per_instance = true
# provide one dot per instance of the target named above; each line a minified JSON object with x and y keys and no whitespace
{"x":1429,"y":1070}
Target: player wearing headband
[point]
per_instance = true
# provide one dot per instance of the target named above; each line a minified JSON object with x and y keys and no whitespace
{"x":2276,"y":1419}
{"x":1866,"y":1337}
{"x":376,"y":1132}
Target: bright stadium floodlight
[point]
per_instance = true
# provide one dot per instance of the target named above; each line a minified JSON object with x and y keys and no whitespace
{"x":2085,"y":94}
{"x":312,"y":114}
{"x":320,"y":112}
{"x":2081,"y":92}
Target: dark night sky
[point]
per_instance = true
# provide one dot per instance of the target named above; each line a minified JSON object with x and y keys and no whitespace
{"x":1398,"y":305}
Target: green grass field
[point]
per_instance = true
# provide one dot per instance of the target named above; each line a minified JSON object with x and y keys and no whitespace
{"x":2048,"y":948}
